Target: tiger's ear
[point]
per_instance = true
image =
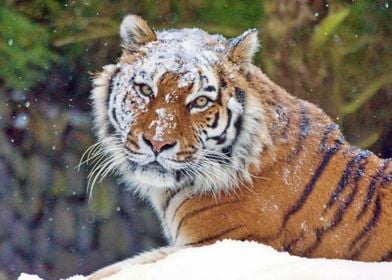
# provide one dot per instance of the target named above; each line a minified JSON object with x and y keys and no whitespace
{"x":243,"y":47}
{"x":135,"y":32}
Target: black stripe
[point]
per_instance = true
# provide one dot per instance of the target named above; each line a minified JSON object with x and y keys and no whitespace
{"x":240,"y":95}
{"x":123,"y":103}
{"x":185,"y":153}
{"x":309,"y":187}
{"x":344,"y":180}
{"x":222,"y":137}
{"x":199,"y":211}
{"x":209,"y":88}
{"x":328,"y":130}
{"x":258,"y":238}
{"x":216,"y":120}
{"x":368,"y":227}
{"x":338,"y":216}
{"x":372,"y":189}
{"x":165,"y":205}
{"x":144,"y":74}
{"x":219,"y":97}
{"x":283,"y":119}
{"x":113,"y":113}
{"x":130,"y":140}
{"x":217,"y":236}
{"x":238,"y":127}
{"x":288,"y":247}
{"x":178,"y":174}
{"x":337,"y":219}
{"x":387,"y":257}
{"x":388,"y":177}
{"x":228,"y":151}
{"x":110,"y":88}
{"x":223,"y":83}
{"x":204,"y":77}
{"x":221,"y":160}
{"x":180,"y":161}
{"x":304,"y":125}
{"x":132,"y":151}
{"x":111,"y":129}
{"x":303,"y":131}
{"x":354,"y":255}
{"x":223,"y":134}
{"x":178,"y":208}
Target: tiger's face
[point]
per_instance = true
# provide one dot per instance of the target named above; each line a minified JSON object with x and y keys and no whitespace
{"x":174,"y":112}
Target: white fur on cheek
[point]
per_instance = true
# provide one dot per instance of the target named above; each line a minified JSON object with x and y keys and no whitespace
{"x":99,"y":100}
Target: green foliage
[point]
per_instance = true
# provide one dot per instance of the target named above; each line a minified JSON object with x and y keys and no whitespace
{"x":25,"y":53}
{"x":337,"y":55}
{"x":327,"y":28}
{"x":233,"y":13}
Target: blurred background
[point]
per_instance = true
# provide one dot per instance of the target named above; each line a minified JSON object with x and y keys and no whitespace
{"x":337,"y":54}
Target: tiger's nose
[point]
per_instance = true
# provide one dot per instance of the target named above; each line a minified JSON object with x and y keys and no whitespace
{"x":158,"y":146}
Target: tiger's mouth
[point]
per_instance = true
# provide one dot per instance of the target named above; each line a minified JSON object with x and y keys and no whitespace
{"x":155,"y":166}
{"x":206,"y":169}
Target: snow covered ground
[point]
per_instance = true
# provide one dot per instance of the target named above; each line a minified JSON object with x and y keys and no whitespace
{"x":232,"y":260}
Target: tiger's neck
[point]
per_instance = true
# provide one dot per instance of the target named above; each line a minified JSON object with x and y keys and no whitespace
{"x":292,"y":123}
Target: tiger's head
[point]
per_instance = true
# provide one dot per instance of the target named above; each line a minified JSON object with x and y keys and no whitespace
{"x":177,"y":109}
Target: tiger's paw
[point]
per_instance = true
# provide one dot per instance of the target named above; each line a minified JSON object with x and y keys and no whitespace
{"x":142,"y":259}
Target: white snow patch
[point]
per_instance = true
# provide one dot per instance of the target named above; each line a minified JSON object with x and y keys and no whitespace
{"x":165,"y":120}
{"x":238,"y":260}
{"x":170,"y":97}
{"x":187,"y":79}
{"x":180,"y":51}
{"x":286,"y":174}
{"x":25,"y":276}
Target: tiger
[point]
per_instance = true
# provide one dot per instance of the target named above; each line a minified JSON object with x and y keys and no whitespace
{"x":221,"y":152}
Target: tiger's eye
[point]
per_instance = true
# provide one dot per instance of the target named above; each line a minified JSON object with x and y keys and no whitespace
{"x":145,"y":90}
{"x":201,"y":102}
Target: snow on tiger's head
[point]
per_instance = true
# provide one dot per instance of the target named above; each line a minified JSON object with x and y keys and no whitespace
{"x":176,"y":110}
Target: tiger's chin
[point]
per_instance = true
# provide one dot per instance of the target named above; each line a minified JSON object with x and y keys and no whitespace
{"x":152,"y":175}
{"x":153,"y":180}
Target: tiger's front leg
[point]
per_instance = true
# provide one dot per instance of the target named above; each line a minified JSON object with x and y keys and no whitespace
{"x":144,"y":258}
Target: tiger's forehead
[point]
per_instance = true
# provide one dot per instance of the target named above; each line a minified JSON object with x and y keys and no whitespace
{"x":190,"y":53}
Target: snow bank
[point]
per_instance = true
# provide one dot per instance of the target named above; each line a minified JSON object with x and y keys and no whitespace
{"x":25,"y":276}
{"x":232,"y":260}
